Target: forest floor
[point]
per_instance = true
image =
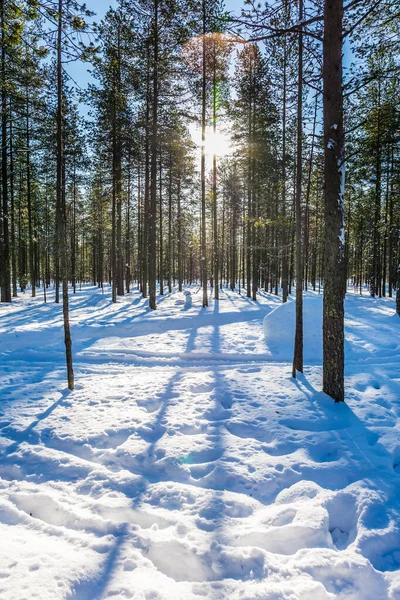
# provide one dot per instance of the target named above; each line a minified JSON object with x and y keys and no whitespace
{"x":187,"y":463}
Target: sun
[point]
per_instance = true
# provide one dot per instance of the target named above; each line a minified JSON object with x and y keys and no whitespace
{"x":217,"y":143}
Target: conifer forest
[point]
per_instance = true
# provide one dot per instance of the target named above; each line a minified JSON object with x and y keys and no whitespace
{"x":200,"y":299}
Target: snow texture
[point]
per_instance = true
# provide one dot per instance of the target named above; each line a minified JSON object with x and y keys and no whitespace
{"x":187,"y":463}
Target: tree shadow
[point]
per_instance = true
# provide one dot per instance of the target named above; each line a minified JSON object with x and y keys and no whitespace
{"x":29,"y":434}
{"x":94,"y":588}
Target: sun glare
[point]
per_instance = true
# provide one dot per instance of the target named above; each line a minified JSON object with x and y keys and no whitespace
{"x":218,"y":143}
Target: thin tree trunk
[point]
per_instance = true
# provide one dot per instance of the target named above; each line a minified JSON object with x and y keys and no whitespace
{"x":153,"y":189}
{"x":298,"y":343}
{"x":73,"y":257}
{"x":392,"y":269}
{"x":307,"y":219}
{"x":32,"y":273}
{"x":61,"y":208}
{"x":128,"y":270}
{"x":170,"y":226}
{"x":376,"y":279}
{"x":12,"y":207}
{"x":203,"y":164}
{"x":214,"y":176}
{"x":284,"y":230}
{"x":146,"y":181}
{"x":5,"y":242}
{"x":161,"y":242}
{"x":140,"y":234}
{"x":114,"y":211}
{"x":180,"y":245}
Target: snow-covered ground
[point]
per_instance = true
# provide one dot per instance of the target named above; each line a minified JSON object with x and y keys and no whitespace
{"x":187,"y":463}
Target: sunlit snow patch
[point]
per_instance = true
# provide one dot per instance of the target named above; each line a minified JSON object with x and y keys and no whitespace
{"x":279,"y":330}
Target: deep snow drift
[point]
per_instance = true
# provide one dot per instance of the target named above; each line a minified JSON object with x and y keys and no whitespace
{"x":187,"y":463}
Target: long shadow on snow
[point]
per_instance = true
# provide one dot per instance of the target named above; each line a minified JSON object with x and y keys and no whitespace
{"x":93,"y":589}
{"x":183,"y":469}
{"x":82,"y":336}
{"x":28,"y":434}
{"x":220,"y":478}
{"x":367,"y":454}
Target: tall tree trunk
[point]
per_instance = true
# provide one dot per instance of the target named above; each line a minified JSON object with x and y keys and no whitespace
{"x":73,"y":253}
{"x":114,"y":207}
{"x":61,"y":207}
{"x":180,"y":245}
{"x":153,"y":189}
{"x":161,"y":242}
{"x":146,"y":180}
{"x":392,"y":266}
{"x":32,"y":273}
{"x":118,"y":177}
{"x":249,"y":245}
{"x":128,"y":270}
{"x":223,"y":269}
{"x":5,"y":242}
{"x":118,"y":196}
{"x":298,"y":342}
{"x":284,"y":229}
{"x":254,"y":207}
{"x":12,"y":207}
{"x":308,"y":192}
{"x":214,"y":176}
{"x":376,"y":271}
{"x":334,"y":174}
{"x":139,"y":232}
{"x":203,"y":163}
{"x":170,"y":226}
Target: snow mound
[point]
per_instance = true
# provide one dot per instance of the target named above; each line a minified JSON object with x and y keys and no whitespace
{"x":279,"y":330}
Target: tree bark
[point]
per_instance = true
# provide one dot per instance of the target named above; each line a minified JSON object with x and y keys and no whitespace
{"x":180,"y":245}
{"x":284,"y":229}
{"x":153,"y":170}
{"x":214,"y":176}
{"x":333,"y":310}
{"x":32,"y":273}
{"x":203,"y":164}
{"x":61,"y":208}
{"x":5,"y":242}
{"x":12,"y":207}
{"x":298,"y":343}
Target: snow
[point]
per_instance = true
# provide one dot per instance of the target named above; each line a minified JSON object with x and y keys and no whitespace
{"x":279,"y":330}
{"x":188,"y":463}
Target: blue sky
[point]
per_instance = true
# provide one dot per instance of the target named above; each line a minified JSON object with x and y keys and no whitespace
{"x":100,"y":6}
{"x":78,"y":70}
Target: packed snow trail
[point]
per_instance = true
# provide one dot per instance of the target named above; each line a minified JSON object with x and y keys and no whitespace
{"x":188,"y":463}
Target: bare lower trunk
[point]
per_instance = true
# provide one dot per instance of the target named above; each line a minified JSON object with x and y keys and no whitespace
{"x":61,"y":208}
{"x":153,"y":171}
{"x":203,"y":168}
{"x":333,"y":314}
{"x":214,"y":186}
{"x":284,"y":230}
{"x":5,"y":242}
{"x":298,"y":343}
